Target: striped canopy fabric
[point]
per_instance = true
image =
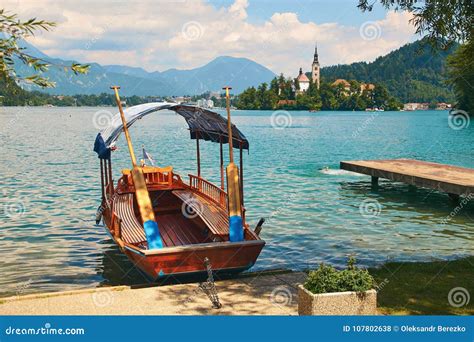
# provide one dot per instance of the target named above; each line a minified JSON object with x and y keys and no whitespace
{"x":203,"y":124}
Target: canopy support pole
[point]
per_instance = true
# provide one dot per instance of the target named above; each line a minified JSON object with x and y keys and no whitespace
{"x":222,"y":162}
{"x":111,"y":182}
{"x":198,"y":155}
{"x":102,"y":179}
{"x":241,"y":175}
{"x":106,"y":177}
{"x":242,"y":183}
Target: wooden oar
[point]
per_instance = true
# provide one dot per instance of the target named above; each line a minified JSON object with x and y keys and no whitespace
{"x":141,"y":192}
{"x":236,"y":231}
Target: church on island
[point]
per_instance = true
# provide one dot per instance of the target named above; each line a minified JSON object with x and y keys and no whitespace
{"x":303,"y":80}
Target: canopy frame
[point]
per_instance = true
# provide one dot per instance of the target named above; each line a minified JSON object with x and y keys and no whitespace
{"x":203,"y":124}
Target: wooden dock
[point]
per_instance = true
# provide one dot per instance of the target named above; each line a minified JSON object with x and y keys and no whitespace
{"x":454,"y":180}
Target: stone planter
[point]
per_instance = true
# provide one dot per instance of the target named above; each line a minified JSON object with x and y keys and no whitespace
{"x":337,"y":303}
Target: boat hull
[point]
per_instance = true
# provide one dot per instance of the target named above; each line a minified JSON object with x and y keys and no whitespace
{"x":224,"y":257}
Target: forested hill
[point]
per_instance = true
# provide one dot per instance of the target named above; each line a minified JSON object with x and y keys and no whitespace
{"x":413,"y":73}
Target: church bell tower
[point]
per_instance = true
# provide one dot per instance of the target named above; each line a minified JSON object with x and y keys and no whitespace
{"x":315,"y":68}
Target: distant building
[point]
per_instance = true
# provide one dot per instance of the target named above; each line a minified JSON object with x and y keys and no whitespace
{"x":182,"y":99}
{"x":282,"y":103}
{"x":345,"y":85}
{"x":416,"y":106}
{"x":303,"y":82}
{"x":443,"y":106}
{"x":204,"y":103}
{"x":366,"y":87}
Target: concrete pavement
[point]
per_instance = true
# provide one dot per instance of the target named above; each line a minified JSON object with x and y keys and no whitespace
{"x":257,"y":294}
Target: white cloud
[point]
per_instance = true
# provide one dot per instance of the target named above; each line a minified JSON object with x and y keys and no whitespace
{"x":154,"y":35}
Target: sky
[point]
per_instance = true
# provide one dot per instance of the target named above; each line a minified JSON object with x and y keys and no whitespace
{"x":161,"y":34}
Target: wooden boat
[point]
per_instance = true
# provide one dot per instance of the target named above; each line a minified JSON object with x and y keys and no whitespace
{"x":191,"y":216}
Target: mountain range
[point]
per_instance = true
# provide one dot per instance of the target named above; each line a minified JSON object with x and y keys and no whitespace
{"x":412,"y":73}
{"x":239,"y":72}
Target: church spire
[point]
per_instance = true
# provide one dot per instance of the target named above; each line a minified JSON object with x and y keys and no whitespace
{"x":315,"y":68}
{"x":316,"y":58}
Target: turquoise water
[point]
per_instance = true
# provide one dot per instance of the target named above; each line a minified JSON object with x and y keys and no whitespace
{"x":50,"y":191}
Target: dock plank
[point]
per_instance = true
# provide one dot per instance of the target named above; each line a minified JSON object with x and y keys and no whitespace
{"x":446,"y":178}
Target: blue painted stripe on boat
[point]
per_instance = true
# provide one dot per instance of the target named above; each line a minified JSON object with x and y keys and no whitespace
{"x":134,"y":251}
{"x":153,"y":236}
{"x":236,"y":229}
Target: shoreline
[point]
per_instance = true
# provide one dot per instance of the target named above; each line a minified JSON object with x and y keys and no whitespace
{"x":251,"y":110}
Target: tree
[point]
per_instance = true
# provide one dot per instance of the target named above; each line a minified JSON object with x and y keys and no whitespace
{"x":274,"y":86}
{"x":269,"y":100}
{"x":444,"y":23}
{"x":328,"y":98}
{"x":461,"y":76}
{"x":248,"y":99}
{"x":286,"y":91}
{"x":315,"y":96}
{"x":12,"y":31}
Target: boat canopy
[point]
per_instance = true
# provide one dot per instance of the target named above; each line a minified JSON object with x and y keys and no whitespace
{"x":203,"y":124}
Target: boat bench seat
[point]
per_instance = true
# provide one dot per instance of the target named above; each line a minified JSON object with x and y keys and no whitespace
{"x":214,"y":216}
{"x":130,"y":228}
{"x":153,"y":175}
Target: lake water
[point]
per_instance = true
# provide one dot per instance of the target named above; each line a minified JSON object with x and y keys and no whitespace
{"x":315,"y":213}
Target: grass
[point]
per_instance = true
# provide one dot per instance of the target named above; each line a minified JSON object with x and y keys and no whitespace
{"x":419,"y":288}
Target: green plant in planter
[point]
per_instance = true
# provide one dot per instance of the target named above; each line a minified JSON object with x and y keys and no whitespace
{"x":327,"y":279}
